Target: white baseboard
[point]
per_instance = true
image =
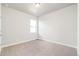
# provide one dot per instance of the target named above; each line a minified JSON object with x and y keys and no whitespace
{"x":19,"y":42}
{"x":61,"y":43}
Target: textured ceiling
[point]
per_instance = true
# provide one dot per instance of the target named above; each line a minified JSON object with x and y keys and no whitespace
{"x":37,"y":11}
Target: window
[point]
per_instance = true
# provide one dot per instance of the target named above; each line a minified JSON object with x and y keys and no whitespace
{"x":32,"y":26}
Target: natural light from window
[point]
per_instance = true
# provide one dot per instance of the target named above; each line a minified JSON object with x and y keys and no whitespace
{"x":32,"y":25}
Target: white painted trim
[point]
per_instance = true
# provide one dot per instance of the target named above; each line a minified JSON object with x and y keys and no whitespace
{"x":35,"y":39}
{"x":61,"y":43}
{"x":78,"y":29}
{"x":19,"y":42}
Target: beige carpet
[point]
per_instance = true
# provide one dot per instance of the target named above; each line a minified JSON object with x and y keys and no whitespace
{"x":38,"y":48}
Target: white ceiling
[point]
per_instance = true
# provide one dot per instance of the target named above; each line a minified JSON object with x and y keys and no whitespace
{"x":37,"y":11}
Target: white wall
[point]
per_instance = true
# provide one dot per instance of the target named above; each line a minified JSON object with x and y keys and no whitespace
{"x":15,"y":26}
{"x":0,"y":22}
{"x":78,"y":30}
{"x":60,"y":26}
{"x":0,"y":26}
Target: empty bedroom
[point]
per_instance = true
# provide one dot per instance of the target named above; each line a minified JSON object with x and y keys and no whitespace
{"x":38,"y":29}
